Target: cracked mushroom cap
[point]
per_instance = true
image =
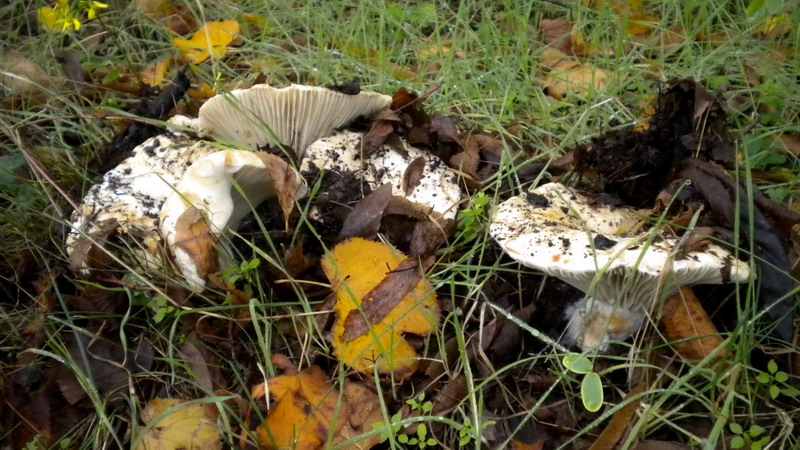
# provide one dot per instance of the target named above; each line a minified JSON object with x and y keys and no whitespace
{"x":557,"y":230}
{"x":437,"y":187}
{"x":296,"y":115}
{"x":129,"y":198}
{"x":215,"y":193}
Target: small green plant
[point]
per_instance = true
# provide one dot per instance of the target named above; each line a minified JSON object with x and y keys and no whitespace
{"x":776,"y":380}
{"x":471,"y":221}
{"x":748,"y":438}
{"x":247,"y":271}
{"x":162,"y":308}
{"x":591,"y":385}
{"x":421,"y":440}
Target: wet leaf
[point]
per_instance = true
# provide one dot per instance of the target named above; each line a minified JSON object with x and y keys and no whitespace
{"x":360,"y":269}
{"x":365,"y":218}
{"x":577,"y":363}
{"x":379,"y":132}
{"x":413,"y":175}
{"x":184,"y":426}
{"x":620,"y":421}
{"x":688,"y":326}
{"x":22,"y":76}
{"x":212,"y":40}
{"x":305,"y":411}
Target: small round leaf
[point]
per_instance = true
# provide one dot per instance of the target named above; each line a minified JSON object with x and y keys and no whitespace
{"x":735,"y":428}
{"x":592,"y":392}
{"x":577,"y":363}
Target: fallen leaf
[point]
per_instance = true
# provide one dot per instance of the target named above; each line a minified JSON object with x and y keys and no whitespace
{"x":187,"y":426}
{"x":380,"y":130}
{"x":194,"y":236}
{"x":155,"y":74}
{"x":365,"y":218}
{"x":791,"y":142}
{"x":305,"y":411}
{"x":358,"y":267}
{"x":413,"y":175}
{"x":211,"y":40}
{"x":285,"y":181}
{"x":640,"y":24}
{"x":777,"y":26}
{"x":688,"y":326}
{"x":574,"y":78}
{"x":620,"y":421}
{"x":22,"y":76}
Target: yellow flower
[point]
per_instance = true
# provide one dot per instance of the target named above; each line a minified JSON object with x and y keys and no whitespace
{"x":58,"y":19}
{"x":91,"y":8}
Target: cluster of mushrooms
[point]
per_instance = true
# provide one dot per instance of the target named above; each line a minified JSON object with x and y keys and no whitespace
{"x":181,"y":192}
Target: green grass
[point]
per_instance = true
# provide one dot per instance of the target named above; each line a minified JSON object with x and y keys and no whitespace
{"x":491,"y":77}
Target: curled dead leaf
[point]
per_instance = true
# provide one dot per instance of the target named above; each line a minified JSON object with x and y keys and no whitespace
{"x":687,"y":324}
{"x":183,"y":426}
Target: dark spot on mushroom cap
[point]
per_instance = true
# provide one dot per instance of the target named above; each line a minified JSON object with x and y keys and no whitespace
{"x":565,"y":242}
{"x":537,"y":200}
{"x":603,"y":243}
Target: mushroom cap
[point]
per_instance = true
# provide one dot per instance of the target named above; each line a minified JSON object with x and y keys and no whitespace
{"x":132,"y":193}
{"x":437,"y":188}
{"x":294,"y":116}
{"x":559,"y":231}
{"x":221,"y":188}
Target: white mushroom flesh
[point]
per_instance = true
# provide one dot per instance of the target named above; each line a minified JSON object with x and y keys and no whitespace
{"x":557,"y":230}
{"x":132,"y":193}
{"x":224,"y":187}
{"x":294,"y":116}
{"x":437,"y":189}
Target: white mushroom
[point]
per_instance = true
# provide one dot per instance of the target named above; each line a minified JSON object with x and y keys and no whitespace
{"x":296,"y":115}
{"x":215,"y":193}
{"x":130,"y":195}
{"x":557,"y":230}
{"x":437,"y":188}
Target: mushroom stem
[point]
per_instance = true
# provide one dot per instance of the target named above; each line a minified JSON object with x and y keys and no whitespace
{"x":593,"y":323}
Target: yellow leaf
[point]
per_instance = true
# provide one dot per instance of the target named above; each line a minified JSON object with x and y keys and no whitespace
{"x":189,"y":426}
{"x":202,"y":92}
{"x":575,"y":78}
{"x":155,"y":74}
{"x":641,"y":24}
{"x":354,"y":268}
{"x":210,"y":40}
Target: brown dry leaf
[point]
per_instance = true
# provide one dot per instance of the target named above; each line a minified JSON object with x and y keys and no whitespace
{"x":379,"y":131}
{"x":563,"y":36}
{"x":155,"y":74}
{"x":791,"y":142}
{"x":358,"y":268}
{"x":413,"y":175}
{"x":22,"y":76}
{"x":172,"y":14}
{"x":619,"y":423}
{"x":574,"y":78}
{"x":364,"y":412}
{"x":640,"y":24}
{"x":685,"y":320}
{"x":188,"y":426}
{"x":193,"y":235}
{"x":365,"y":218}
{"x":285,"y":181}
{"x":212,"y":39}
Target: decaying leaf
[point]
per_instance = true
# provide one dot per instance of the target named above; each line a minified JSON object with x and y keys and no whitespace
{"x":22,"y":76}
{"x":357,"y":269}
{"x":194,"y":236}
{"x":620,"y":421}
{"x":155,"y":74}
{"x":573,"y":77}
{"x":365,"y":218}
{"x":187,"y":426}
{"x":688,"y":326}
{"x":210,"y":40}
{"x":306,"y":412}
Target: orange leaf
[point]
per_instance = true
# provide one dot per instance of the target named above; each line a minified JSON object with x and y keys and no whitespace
{"x":687,"y":324}
{"x":355,"y":268}
{"x":210,"y":40}
{"x":305,"y":411}
{"x":155,"y":74}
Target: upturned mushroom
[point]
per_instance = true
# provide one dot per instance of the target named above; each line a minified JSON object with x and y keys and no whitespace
{"x":293,"y":116}
{"x":559,"y":231}
{"x":215,"y":193}
{"x":436,"y":185}
{"x":128,"y":200}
